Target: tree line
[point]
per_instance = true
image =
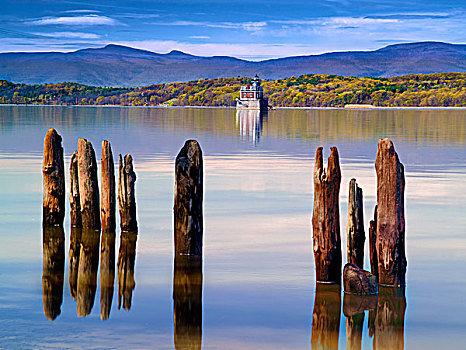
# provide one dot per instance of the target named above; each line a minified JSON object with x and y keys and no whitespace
{"x":311,"y":90}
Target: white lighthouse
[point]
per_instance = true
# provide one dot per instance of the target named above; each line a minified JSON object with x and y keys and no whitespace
{"x":252,"y":97}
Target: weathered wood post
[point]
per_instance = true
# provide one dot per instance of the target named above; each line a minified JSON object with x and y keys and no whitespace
{"x":126,"y":259}
{"x":87,"y":271}
{"x":390,"y":215}
{"x":75,"y":201}
{"x":107,"y":273}
{"x":88,"y":185}
{"x":326,"y":218}
{"x":326,"y":317}
{"x":187,"y":210}
{"x":373,"y":245}
{"x":53,"y":170}
{"x":107,"y":203}
{"x":355,"y":225}
{"x":53,"y":270}
{"x":126,"y":195}
{"x":390,"y":319}
{"x":187,"y":302}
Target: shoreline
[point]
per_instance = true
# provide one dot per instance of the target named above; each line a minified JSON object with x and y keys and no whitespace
{"x":365,"y":108}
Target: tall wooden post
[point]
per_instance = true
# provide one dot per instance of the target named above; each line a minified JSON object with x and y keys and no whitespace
{"x":373,"y":245}
{"x":187,"y":210}
{"x":53,"y":244}
{"x":75,"y":201}
{"x":107,"y":187}
{"x":53,"y":170}
{"x":326,"y":218}
{"x":355,"y":225}
{"x":390,"y":215}
{"x":126,"y":195}
{"x":88,"y":185}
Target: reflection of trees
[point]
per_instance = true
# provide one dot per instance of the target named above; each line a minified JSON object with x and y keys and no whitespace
{"x":187,"y":302}
{"x":53,"y":270}
{"x":107,"y":273}
{"x":326,"y":316}
{"x":126,"y":259}
{"x":87,"y":271}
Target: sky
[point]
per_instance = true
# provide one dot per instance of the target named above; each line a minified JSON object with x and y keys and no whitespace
{"x":253,"y":30}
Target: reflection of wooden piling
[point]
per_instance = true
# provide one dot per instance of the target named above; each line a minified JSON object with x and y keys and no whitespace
{"x":53,"y":170}
{"x":390,"y":319}
{"x":187,"y":302}
{"x":75,"y":205}
{"x":88,"y":186}
{"x":353,"y":308}
{"x":355,"y":225}
{"x":373,"y":245}
{"x":390,"y":215}
{"x":326,"y":317}
{"x":188,"y":217}
{"x":87,"y":271}
{"x":126,"y":259}
{"x":126,"y":195}
{"x":107,"y":205}
{"x":326,"y":218}
{"x":53,"y":270}
{"x":107,"y":273}
{"x":75,"y":248}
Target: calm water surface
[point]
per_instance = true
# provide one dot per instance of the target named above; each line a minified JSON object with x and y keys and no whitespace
{"x":256,"y":287}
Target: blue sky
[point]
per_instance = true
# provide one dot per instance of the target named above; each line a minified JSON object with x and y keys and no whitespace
{"x":246,"y":29}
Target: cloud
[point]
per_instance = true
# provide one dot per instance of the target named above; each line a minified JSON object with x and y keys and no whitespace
{"x":199,"y":37}
{"x":87,"y":20}
{"x":71,"y":35}
{"x":248,"y":26}
{"x":81,"y":11}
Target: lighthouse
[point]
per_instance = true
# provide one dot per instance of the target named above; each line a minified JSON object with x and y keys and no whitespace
{"x":251,"y":97}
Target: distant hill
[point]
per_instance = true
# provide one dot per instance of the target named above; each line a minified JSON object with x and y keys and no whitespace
{"x":115,"y":65}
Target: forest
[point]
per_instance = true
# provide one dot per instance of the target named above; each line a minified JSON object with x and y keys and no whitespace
{"x":311,"y":90}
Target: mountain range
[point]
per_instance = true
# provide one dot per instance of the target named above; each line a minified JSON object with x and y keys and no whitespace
{"x":115,"y":65}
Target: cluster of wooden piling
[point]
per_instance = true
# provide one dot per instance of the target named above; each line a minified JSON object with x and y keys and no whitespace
{"x":90,"y":212}
{"x":386,"y":231}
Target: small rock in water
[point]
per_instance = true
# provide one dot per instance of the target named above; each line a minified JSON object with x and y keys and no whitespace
{"x":358,"y":281}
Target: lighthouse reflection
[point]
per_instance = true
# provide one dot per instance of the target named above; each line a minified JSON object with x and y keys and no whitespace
{"x":250,"y":123}
{"x":385,"y":320}
{"x":53,"y":270}
{"x":187,"y":302}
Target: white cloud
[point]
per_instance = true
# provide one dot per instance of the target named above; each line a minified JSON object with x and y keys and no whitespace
{"x":249,"y":26}
{"x":87,"y":20}
{"x":71,"y":35}
{"x":199,"y":37}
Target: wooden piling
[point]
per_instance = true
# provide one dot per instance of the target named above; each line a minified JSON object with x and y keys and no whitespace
{"x":355,"y":225}
{"x":88,"y":185}
{"x":326,"y":218}
{"x":187,"y":210}
{"x":126,"y":194}
{"x":107,"y":204}
{"x":373,"y":245}
{"x":53,"y":170}
{"x":390,"y":215}
{"x":75,"y":201}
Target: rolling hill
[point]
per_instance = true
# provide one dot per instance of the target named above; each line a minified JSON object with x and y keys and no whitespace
{"x":115,"y":65}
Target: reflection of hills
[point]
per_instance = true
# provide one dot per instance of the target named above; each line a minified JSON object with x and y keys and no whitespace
{"x":187,"y":302}
{"x":107,"y":273}
{"x":126,"y":259}
{"x":250,"y":124}
{"x":87,"y":271}
{"x":53,"y":270}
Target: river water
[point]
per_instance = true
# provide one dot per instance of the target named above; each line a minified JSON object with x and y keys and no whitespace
{"x":256,"y":287}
